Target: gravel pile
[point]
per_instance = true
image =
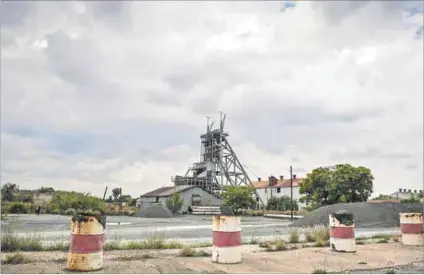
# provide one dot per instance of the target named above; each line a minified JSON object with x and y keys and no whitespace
{"x":155,"y":211}
{"x":367,"y":215}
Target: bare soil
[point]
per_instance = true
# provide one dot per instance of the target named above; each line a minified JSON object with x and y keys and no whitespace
{"x":305,"y":260}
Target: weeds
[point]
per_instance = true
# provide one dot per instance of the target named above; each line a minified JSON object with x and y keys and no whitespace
{"x":253,"y":240}
{"x":11,"y":242}
{"x":359,"y":242}
{"x":383,"y":241}
{"x":390,"y":271}
{"x":319,"y":271}
{"x":188,"y":251}
{"x":315,"y":233}
{"x":17,"y":258}
{"x":294,"y":236}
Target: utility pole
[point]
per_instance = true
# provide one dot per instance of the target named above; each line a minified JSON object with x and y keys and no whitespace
{"x":291,"y":193}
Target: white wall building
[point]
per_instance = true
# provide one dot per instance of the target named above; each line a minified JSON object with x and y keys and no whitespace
{"x":406,"y":194}
{"x":273,"y":187}
{"x":192,"y":195}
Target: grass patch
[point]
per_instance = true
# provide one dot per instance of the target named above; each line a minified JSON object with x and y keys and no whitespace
{"x":134,"y":257}
{"x":11,"y":242}
{"x":359,"y":242}
{"x":17,"y":258}
{"x":319,"y":232}
{"x":383,"y":241}
{"x":319,"y":271}
{"x":278,"y":245}
{"x":294,"y":236}
{"x":389,"y":271}
{"x":57,"y":247}
{"x":188,"y":251}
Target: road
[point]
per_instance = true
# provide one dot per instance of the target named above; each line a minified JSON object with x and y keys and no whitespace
{"x":56,"y":228}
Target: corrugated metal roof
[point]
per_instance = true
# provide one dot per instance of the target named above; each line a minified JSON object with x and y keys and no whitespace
{"x":167,"y":191}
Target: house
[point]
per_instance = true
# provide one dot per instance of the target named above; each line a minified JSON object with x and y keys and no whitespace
{"x":43,"y":198}
{"x":192,"y":195}
{"x":273,"y":187}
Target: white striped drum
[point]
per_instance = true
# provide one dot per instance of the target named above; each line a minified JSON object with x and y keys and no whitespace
{"x":87,"y":240}
{"x":411,"y":227}
{"x":342,"y":232}
{"x":227,"y":241}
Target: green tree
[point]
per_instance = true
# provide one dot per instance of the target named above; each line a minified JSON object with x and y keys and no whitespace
{"x":174,"y":203}
{"x":382,"y":197}
{"x":116,"y":192}
{"x":412,"y":199}
{"x":8,"y":191}
{"x":341,"y":183}
{"x":281,"y":203}
{"x":239,"y":198}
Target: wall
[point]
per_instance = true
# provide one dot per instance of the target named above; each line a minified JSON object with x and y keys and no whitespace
{"x":267,"y":193}
{"x":206,"y":199}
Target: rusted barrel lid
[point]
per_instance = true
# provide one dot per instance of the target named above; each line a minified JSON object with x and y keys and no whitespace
{"x":84,"y":215}
{"x":344,"y":217}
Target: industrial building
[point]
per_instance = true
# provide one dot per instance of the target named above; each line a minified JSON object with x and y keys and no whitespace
{"x":192,"y":196}
{"x":273,"y":187}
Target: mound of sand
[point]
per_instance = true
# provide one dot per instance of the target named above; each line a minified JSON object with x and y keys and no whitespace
{"x":367,"y":215}
{"x":155,"y":211}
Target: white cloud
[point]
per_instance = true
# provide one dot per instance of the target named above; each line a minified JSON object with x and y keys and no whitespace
{"x":87,"y":103}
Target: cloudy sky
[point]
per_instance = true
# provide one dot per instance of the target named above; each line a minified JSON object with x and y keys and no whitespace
{"x":97,"y":94}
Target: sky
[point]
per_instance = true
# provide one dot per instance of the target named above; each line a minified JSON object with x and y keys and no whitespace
{"x":97,"y":94}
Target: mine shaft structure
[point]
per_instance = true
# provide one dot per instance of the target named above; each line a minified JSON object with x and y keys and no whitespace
{"x":219,"y":165}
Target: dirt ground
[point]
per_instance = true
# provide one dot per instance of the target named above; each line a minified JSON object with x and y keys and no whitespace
{"x":305,"y":260}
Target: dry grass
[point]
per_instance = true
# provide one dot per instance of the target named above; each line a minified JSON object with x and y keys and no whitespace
{"x":294,"y":236}
{"x":11,"y":242}
{"x":319,"y":232}
{"x":17,"y":258}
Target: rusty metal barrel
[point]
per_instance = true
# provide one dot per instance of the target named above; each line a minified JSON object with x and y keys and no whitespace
{"x":342,"y":232}
{"x":226,"y":234}
{"x":412,"y":228}
{"x":87,"y":241}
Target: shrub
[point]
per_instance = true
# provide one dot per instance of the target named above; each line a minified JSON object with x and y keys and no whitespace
{"x":319,"y":271}
{"x":18,"y":208}
{"x":280,"y":245}
{"x":294,"y":236}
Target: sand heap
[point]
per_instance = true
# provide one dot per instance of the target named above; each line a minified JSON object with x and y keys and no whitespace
{"x":155,"y":211}
{"x":367,"y":215}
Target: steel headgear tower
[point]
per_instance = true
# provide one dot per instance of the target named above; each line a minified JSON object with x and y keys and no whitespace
{"x":219,"y":165}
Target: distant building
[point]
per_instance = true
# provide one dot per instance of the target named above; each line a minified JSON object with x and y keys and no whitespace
{"x":273,"y":187}
{"x":406,"y":193}
{"x":192,"y":196}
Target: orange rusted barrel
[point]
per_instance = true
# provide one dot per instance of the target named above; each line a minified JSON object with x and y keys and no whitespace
{"x":87,"y":240}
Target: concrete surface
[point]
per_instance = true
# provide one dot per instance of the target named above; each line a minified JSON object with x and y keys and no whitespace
{"x":305,"y":260}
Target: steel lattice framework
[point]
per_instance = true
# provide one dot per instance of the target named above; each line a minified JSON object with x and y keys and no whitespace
{"x":219,"y":165}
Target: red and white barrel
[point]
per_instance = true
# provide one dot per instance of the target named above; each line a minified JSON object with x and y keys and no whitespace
{"x":342,"y":232}
{"x":411,"y":227}
{"x":87,"y":240}
{"x":227,"y":242}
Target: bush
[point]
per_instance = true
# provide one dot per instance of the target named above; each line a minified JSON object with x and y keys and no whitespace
{"x":18,"y":208}
{"x":70,"y":212}
{"x":281,"y":203}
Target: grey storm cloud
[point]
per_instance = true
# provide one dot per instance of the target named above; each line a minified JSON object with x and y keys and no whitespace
{"x":116,"y":93}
